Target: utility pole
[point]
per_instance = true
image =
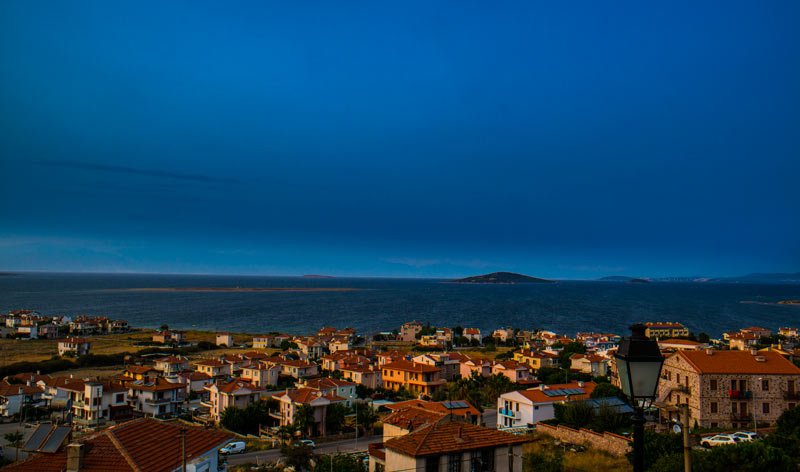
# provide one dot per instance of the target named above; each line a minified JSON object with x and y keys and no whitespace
{"x":687,"y":449}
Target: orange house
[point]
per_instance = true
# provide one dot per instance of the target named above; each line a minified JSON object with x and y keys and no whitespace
{"x":416,"y":378}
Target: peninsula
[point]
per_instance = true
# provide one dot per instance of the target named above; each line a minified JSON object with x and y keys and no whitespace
{"x":502,"y":278}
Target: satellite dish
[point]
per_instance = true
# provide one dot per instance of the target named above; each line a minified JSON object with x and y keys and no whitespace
{"x":677,"y":429}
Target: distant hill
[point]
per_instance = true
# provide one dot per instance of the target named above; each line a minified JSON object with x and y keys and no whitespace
{"x":316,"y":276}
{"x":502,"y":278}
{"x":758,"y":278}
{"x":624,"y":278}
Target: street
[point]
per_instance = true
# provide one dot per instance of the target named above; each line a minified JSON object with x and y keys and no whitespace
{"x":348,"y":446}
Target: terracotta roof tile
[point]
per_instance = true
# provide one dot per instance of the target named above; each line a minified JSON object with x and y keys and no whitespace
{"x":739,"y":362}
{"x":455,"y":436}
{"x":408,"y":366}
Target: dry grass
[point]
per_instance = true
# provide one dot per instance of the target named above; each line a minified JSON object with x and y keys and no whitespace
{"x":591,"y":460}
{"x":488,"y":354}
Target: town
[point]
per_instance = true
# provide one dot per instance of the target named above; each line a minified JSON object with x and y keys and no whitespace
{"x":387,"y":401}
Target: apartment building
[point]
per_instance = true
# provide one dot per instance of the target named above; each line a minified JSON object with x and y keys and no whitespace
{"x":728,"y":388}
{"x":537,"y":359}
{"x":292,"y":400}
{"x":261,"y":374}
{"x":668,"y":329}
{"x":524,"y":408}
{"x":94,"y":402}
{"x":236,"y":393}
{"x":213,"y":368}
{"x":416,"y":378}
{"x":74,"y":347}
{"x":156,"y":397}
{"x":172,"y":365}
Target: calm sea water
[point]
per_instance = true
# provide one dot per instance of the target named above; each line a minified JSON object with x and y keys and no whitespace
{"x":383,"y":304}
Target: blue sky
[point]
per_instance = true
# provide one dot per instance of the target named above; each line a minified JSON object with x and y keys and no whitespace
{"x":414,"y":139}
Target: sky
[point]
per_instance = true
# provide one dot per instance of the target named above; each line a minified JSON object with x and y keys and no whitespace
{"x":410,"y":139}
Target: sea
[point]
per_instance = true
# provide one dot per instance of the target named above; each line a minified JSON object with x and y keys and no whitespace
{"x":383,"y":304}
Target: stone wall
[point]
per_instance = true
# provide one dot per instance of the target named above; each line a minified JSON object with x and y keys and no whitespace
{"x":612,"y":443}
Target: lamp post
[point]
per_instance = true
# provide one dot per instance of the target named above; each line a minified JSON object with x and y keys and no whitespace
{"x":639,"y":362}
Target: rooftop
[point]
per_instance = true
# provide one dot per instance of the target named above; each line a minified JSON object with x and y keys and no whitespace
{"x":455,"y":436}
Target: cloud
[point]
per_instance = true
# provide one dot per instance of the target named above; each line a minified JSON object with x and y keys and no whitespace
{"x":136,"y":171}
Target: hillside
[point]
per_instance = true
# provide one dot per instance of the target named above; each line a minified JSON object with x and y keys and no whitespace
{"x":502,"y":278}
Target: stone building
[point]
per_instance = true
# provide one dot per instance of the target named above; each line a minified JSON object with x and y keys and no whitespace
{"x":728,"y":388}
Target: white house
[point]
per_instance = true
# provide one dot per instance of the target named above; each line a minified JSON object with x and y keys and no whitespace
{"x":73,"y":346}
{"x":525,"y":408}
{"x":158,"y":397}
{"x":224,"y":339}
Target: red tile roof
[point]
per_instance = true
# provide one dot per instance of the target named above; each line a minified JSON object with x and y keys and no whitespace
{"x":412,"y":418}
{"x":536,"y":395}
{"x":739,"y":362}
{"x":142,"y":445}
{"x":306,"y":395}
{"x":455,"y":436}
{"x":408,"y":366}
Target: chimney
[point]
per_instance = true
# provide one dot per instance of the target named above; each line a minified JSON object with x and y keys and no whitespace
{"x":710,"y":352}
{"x":74,"y":457}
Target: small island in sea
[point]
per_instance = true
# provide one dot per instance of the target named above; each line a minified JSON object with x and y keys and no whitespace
{"x":502,"y":278}
{"x":624,"y":278}
{"x":318,"y":276}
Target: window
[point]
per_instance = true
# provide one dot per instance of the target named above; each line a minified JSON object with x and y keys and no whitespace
{"x":120,"y":397}
{"x":713,"y":384}
{"x":765,"y":408}
{"x":536,"y":407}
{"x":733,"y":385}
{"x":432,"y":464}
{"x":765,"y":385}
{"x":475,"y":461}
{"x":517,"y":406}
{"x":454,"y":463}
{"x":713,"y":407}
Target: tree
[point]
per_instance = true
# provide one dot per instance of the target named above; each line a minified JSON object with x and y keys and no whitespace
{"x":297,"y":455}
{"x":605,"y":390}
{"x":703,"y":337}
{"x":304,"y":419}
{"x":658,"y":445}
{"x":574,"y":414}
{"x":495,"y":386}
{"x":334,"y":417}
{"x":245,"y":420}
{"x":608,"y":418}
{"x":14,"y":440}
{"x":366,"y":415}
{"x":568,"y":350}
{"x":340,"y":463}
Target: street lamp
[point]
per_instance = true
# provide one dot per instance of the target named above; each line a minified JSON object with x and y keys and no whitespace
{"x":639,"y":362}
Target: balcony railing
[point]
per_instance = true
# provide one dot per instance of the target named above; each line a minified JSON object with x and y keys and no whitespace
{"x":275,"y":414}
{"x":740,"y":394}
{"x":741,"y":417}
{"x":508,"y":412}
{"x":157,"y":401}
{"x":683,"y":389}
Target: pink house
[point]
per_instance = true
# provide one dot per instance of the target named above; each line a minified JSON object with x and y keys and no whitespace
{"x":515,"y":371}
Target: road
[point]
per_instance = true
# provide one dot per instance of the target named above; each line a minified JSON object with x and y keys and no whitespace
{"x":349,"y":445}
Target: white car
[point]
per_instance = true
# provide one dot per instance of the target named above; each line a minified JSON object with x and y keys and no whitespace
{"x":745,"y":436}
{"x":718,"y":440}
{"x":235,"y":447}
{"x":308,"y":443}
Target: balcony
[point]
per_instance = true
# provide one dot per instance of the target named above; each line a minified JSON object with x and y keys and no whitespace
{"x":275,"y":414}
{"x":207,"y":404}
{"x":741,"y":417}
{"x":157,"y":401}
{"x":683,"y":389}
{"x":740,"y":394}
{"x":509,"y":413}
{"x":791,"y":395}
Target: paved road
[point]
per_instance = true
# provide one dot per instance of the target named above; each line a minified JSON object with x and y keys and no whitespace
{"x":349,"y":445}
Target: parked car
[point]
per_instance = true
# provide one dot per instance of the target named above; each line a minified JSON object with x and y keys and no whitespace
{"x":235,"y":447}
{"x":308,"y":443}
{"x":718,"y":440}
{"x":746,"y":436}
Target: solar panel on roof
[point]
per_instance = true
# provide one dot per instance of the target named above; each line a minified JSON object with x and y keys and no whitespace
{"x":455,"y":405}
{"x":37,"y":438}
{"x":56,"y":439}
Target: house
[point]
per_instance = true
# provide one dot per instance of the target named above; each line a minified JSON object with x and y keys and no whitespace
{"x":49,"y":331}
{"x":472,"y":334}
{"x":450,"y":367}
{"x":291,"y":400}
{"x":137,"y":445}
{"x":743,"y":341}
{"x":660,"y":329}
{"x":224,"y":339}
{"x":524,"y":408}
{"x":14,"y":396}
{"x":139,"y":372}
{"x":213,"y":368}
{"x":261,"y":374}
{"x":93,"y":403}
{"x":236,"y":393}
{"x":338,"y":344}
{"x":297,"y":369}
{"x":449,"y":446}
{"x":194,"y":382}
{"x":788,"y":332}
{"x":362,"y":375}
{"x":168,"y":337}
{"x":156,"y":397}
{"x":270,"y":340}
{"x":28,"y":331}
{"x":73,"y":347}
{"x":728,"y":389}
{"x":757,"y":330}
{"x":171,"y":365}
{"x":503,"y":335}
{"x":416,"y":378}
{"x":537,"y":359}
{"x":333,"y":387}
{"x":515,"y":371}
{"x":592,"y":364}
{"x":680,"y":344}
{"x":476,"y":366}
{"x":461,"y":409}
{"x":408,"y":332}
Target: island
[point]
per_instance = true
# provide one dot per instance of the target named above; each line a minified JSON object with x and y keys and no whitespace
{"x":502,"y":278}
{"x":624,"y":278}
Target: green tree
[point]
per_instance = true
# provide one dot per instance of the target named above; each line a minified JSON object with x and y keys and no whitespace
{"x":607,"y":418}
{"x":14,"y":440}
{"x":576,"y":415}
{"x":605,"y":390}
{"x":366,"y":415}
{"x":495,"y":386}
{"x":340,"y":463}
{"x":297,"y":455}
{"x":658,"y":446}
{"x":334,"y":417}
{"x":304,"y":419}
{"x":570,"y":349}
